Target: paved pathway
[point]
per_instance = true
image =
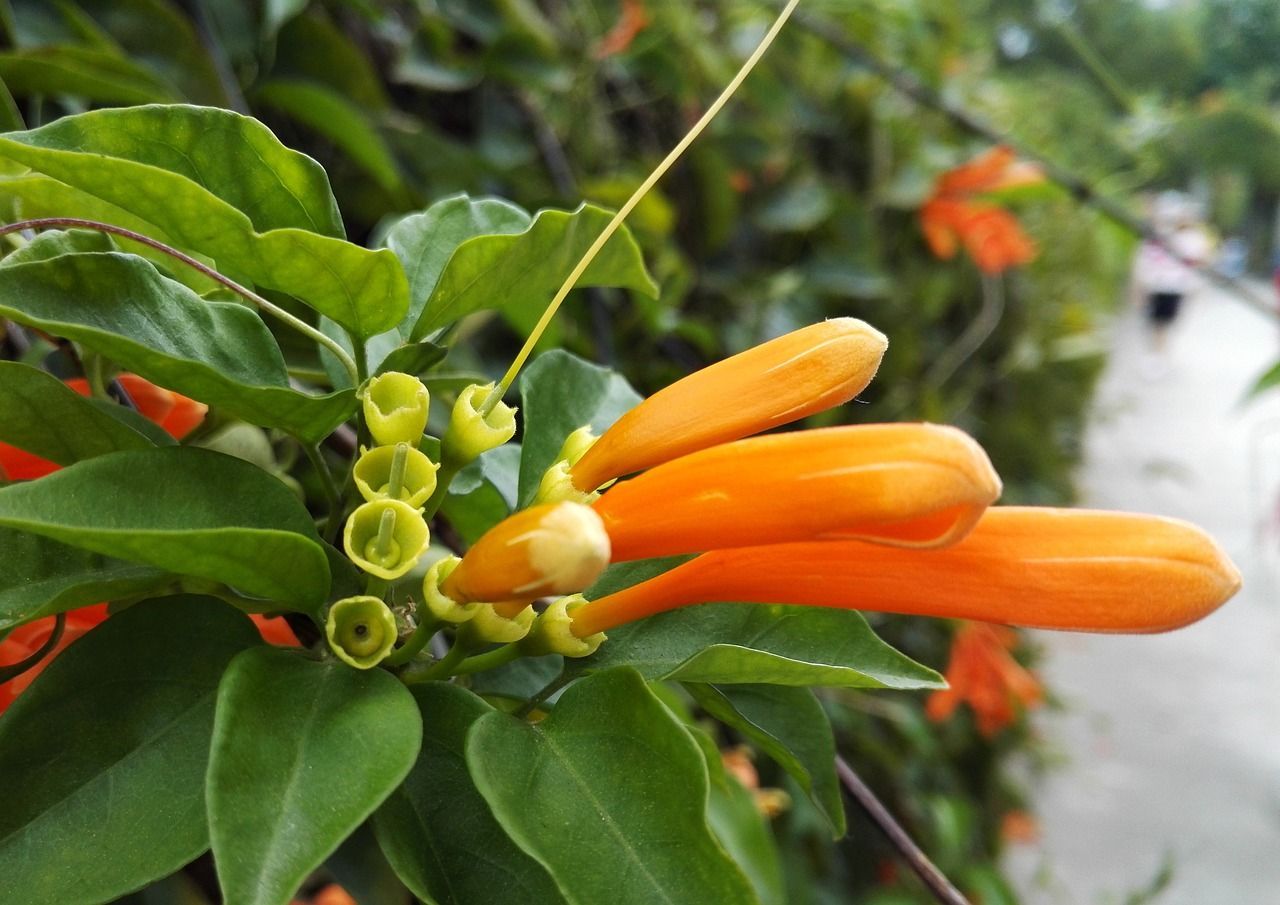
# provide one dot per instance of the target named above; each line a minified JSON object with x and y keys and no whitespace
{"x":1172,"y":742}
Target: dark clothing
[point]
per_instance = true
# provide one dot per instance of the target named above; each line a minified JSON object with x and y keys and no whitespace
{"x":1162,"y":307}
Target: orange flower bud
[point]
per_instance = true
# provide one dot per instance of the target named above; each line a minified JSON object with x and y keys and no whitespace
{"x":903,"y":484}
{"x":1070,"y":569}
{"x":780,"y":381}
{"x":559,"y":548}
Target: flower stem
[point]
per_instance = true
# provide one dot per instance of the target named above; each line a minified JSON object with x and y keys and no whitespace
{"x":417,"y":641}
{"x":499,"y":656}
{"x":580,"y":268}
{"x":296,"y":323}
{"x":441,"y":669}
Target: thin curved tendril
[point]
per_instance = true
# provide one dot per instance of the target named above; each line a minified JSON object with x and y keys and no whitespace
{"x":612,"y":227}
{"x":297,"y":324}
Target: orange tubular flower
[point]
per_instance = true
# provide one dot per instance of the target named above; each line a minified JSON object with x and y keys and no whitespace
{"x":26,"y":639}
{"x":983,"y":673}
{"x":990,"y":234}
{"x":558,"y":548}
{"x":1075,"y":570}
{"x":780,"y":381}
{"x":902,"y":484}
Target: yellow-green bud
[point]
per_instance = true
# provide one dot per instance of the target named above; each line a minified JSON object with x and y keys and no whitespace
{"x":437,"y":602}
{"x":552,"y":632}
{"x":488,"y":625}
{"x":471,"y":433}
{"x":361,"y":631}
{"x":378,"y":469}
{"x":395,"y":408}
{"x":557,"y":484}
{"x":386,"y":538}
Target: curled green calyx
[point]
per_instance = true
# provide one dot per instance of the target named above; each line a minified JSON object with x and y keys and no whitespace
{"x":497,"y":625}
{"x":395,"y":408}
{"x":557,"y":484}
{"x":361,"y":631}
{"x":552,"y":632}
{"x":438,"y":603}
{"x":473,"y":431}
{"x":401,"y":472}
{"x":386,"y":538}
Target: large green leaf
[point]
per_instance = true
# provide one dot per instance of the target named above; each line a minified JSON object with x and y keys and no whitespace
{"x":610,"y":794}
{"x":523,"y":271}
{"x":303,"y":751}
{"x":102,"y":759}
{"x":424,"y":242}
{"x":791,"y":727}
{"x":41,"y":414}
{"x":85,"y":72}
{"x":484,"y":492}
{"x":732,"y":643}
{"x":222,"y":185}
{"x":218,"y":352}
{"x":560,"y":393}
{"x":186,"y":510}
{"x":437,"y":830}
{"x":740,"y":827}
{"x":330,"y":114}
{"x":39,"y":577}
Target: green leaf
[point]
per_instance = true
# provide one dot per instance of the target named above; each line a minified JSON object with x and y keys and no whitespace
{"x":791,"y":727}
{"x":412,"y":358}
{"x":363,"y":872}
{"x":740,"y":827}
{"x":437,"y":830}
{"x":40,"y":577}
{"x":218,"y":352}
{"x":1266,"y":382}
{"x":102,"y":758}
{"x":560,"y":393}
{"x":484,"y":492}
{"x":610,"y":794}
{"x":186,"y":510}
{"x":220,"y":184}
{"x":733,"y":643}
{"x":44,"y":416}
{"x":331,"y":115}
{"x":523,"y":271}
{"x":425,"y":242}
{"x":303,"y":751}
{"x":83,"y":72}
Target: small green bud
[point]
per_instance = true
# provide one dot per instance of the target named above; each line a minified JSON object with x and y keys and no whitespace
{"x":361,"y":631}
{"x":552,"y":632}
{"x":471,"y":433}
{"x":488,"y":625}
{"x":557,"y":484}
{"x":386,"y":538}
{"x":437,"y":602}
{"x":395,"y":408}
{"x":396,"y":472}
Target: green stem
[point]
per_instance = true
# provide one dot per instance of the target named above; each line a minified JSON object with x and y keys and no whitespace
{"x":386,"y":533}
{"x":395,"y":482}
{"x":375,"y":586}
{"x":93,"y":367}
{"x":444,"y":477}
{"x":552,"y":687}
{"x":335,"y":516}
{"x":417,"y":641}
{"x":327,"y":485}
{"x":441,"y":669}
{"x":499,"y":656}
{"x":13,"y":670}
{"x":296,"y":323}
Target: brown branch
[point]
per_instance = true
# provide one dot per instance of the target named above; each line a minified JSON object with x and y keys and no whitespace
{"x":916,"y":859}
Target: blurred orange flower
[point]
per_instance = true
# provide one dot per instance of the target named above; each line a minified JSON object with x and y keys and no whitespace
{"x":983,"y":673}
{"x":634,"y":19}
{"x":951,"y":217}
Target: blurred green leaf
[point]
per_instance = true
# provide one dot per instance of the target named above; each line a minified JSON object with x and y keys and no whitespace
{"x":303,"y":752}
{"x":437,"y":830}
{"x":83,"y":72}
{"x":102,"y":759}
{"x":560,"y":393}
{"x":186,"y":510}
{"x":789,"y":725}
{"x":220,"y":353}
{"x":609,"y":793}
{"x":221,"y":184}
{"x":523,"y":271}
{"x":44,"y":416}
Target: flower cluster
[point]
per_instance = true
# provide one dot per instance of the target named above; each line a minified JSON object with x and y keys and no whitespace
{"x":886,"y":517}
{"x":952,"y":216}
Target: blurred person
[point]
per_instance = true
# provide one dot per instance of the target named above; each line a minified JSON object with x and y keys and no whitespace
{"x":1165,"y":274}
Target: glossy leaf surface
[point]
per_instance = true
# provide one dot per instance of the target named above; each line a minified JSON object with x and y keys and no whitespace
{"x":610,"y":793}
{"x":102,"y":759}
{"x":303,"y":751}
{"x":437,"y":830}
{"x":181,"y":509}
{"x":220,"y":353}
